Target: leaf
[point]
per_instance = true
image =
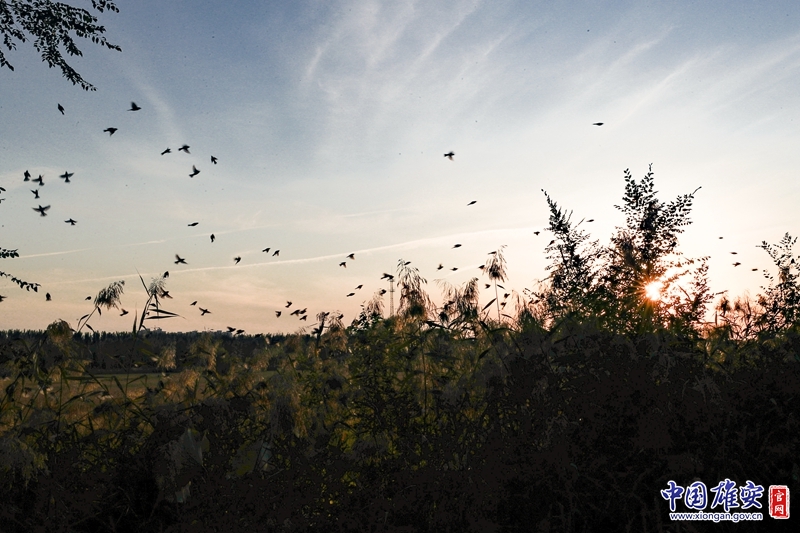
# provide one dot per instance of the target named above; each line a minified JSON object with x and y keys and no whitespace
{"x":485,"y":307}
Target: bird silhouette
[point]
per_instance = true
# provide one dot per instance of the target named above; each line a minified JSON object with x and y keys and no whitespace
{"x":165,"y":294}
{"x":276,"y":253}
{"x":230,"y":329}
{"x":598,"y":123}
{"x":295,"y":312}
{"x":110,"y":131}
{"x":450,"y":155}
{"x":265,"y":250}
{"x":61,"y":108}
{"x":88,"y":298}
{"x":42,"y":210}
{"x":382,"y":292}
{"x":277,"y":313}
{"x":167,"y":151}
{"x":288,"y":304}
{"x":212,"y":237}
{"x":27,"y":176}
{"x":473,"y":202}
{"x":213,"y":159}
{"x":193,"y":224}
{"x":236,"y":260}
{"x":387,"y":276}
{"x":352,"y":256}
{"x":184,"y":148}
{"x":407,"y":263}
{"x":359,"y":287}
{"x":35,"y":194}
{"x":456,"y":246}
{"x":66,"y":176}
{"x":39,"y":180}
{"x":134,"y":107}
{"x":590,"y":220}
{"x":734,"y":253}
{"x":123,"y":313}
{"x":552,"y":242}
{"x":204,"y":311}
{"x":47,"y":297}
{"x":487,"y":285}
{"x":536,"y":232}
{"x":195,"y":172}
{"x":736,"y":264}
{"x":193,"y":303}
{"x":303,"y":310}
{"x":71,"y":222}
{"x":343,"y":264}
{"x":304,"y":317}
{"x":720,"y":237}
{"x":454,"y":269}
{"x":351,"y":294}
{"x":165,"y":275}
{"x":753,"y":269}
{"x":179,"y":259}
{"x":441,"y":266}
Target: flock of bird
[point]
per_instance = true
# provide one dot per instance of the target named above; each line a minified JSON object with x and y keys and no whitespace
{"x":300,"y":313}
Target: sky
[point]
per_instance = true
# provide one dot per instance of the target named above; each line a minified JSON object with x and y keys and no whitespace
{"x":329,"y":121}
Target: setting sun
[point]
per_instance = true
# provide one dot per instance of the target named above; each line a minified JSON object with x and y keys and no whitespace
{"x":653,"y":290}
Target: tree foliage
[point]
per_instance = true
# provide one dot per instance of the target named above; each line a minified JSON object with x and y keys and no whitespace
{"x":50,"y":26}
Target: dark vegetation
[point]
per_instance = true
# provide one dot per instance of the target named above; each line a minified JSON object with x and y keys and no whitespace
{"x":570,"y":412}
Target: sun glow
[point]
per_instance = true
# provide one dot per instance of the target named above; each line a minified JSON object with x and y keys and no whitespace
{"x":653,"y":290}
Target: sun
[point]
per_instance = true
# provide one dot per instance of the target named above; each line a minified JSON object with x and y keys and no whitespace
{"x":653,"y":290}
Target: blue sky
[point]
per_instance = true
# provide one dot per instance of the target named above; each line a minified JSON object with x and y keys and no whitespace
{"x":330,"y":121}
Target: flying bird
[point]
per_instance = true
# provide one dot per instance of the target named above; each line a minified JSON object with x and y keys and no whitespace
{"x":450,"y":155}
{"x":359,"y":287}
{"x":66,"y":176}
{"x":123,"y":313}
{"x":61,"y":108}
{"x":71,"y":222}
{"x":352,"y":256}
{"x":265,"y":250}
{"x":276,"y":253}
{"x":184,"y":148}
{"x":473,"y":202}
{"x":134,"y":107}
{"x":277,"y":313}
{"x":231,"y":330}
{"x":536,"y":232}
{"x":456,"y":246}
{"x":288,"y":304}
{"x":88,"y":298}
{"x":382,"y":292}
{"x":35,"y":194}
{"x":303,"y":310}
{"x":195,"y":172}
{"x":193,"y":224}
{"x":590,"y":220}
{"x":167,"y":151}
{"x":736,"y":264}
{"x":179,"y":259}
{"x":165,"y":275}
{"x":193,"y":303}
{"x":598,"y":123}
{"x":552,"y":242}
{"x":351,"y":294}
{"x":42,"y":210}
{"x":720,"y":237}
{"x":47,"y":297}
{"x":204,"y":311}
{"x":213,"y":159}
{"x":27,"y":176}
{"x":237,"y":259}
{"x":305,"y":317}
{"x":295,"y":312}
{"x":39,"y":180}
{"x":454,"y":269}
{"x":753,"y":269}
{"x":2,"y":297}
{"x":110,"y":131}
{"x":734,"y":253}
{"x":441,"y":266}
{"x":212,"y":237}
{"x":343,"y":264}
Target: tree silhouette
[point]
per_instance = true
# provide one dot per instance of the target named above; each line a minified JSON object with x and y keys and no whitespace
{"x":50,"y":26}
